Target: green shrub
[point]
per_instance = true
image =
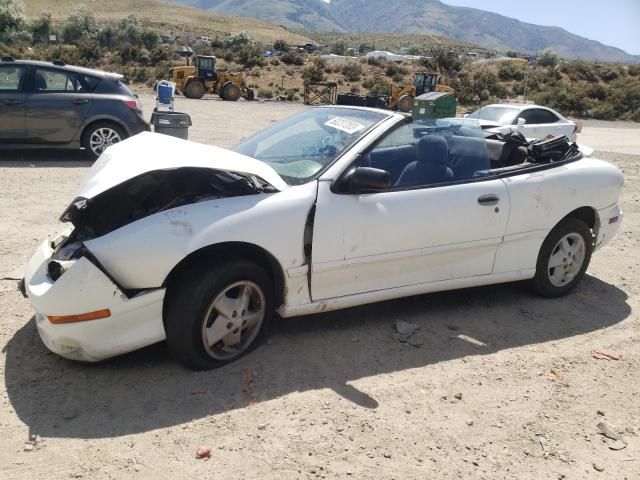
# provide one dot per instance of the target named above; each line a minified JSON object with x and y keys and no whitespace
{"x":352,"y":71}
{"x":265,"y":93}
{"x":377,"y":86}
{"x":159,"y":55}
{"x":280,"y":45}
{"x":547,"y":58}
{"x":292,"y":58}
{"x":250,"y":56}
{"x":80,"y":24}
{"x":89,"y":51}
{"x":42,"y":27}
{"x":339,"y":48}
{"x":313,"y":74}
{"x":150,"y":38}
{"x":376,"y":61}
{"x":394,"y":69}
{"x":12,"y":20}
{"x":509,"y":71}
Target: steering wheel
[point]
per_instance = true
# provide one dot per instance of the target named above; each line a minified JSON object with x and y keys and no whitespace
{"x":328,"y":150}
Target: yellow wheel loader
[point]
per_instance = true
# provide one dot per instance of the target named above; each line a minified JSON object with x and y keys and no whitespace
{"x":193,"y":81}
{"x":401,"y":97}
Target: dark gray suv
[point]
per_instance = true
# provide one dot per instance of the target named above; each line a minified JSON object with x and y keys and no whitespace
{"x":56,"y":105}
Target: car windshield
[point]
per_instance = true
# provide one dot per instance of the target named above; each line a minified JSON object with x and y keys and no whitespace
{"x":299,"y":147}
{"x":500,"y":115}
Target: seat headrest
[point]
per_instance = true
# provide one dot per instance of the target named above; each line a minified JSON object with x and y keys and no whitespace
{"x":433,"y":150}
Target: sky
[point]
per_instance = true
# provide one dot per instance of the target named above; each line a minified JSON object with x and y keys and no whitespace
{"x":612,"y":22}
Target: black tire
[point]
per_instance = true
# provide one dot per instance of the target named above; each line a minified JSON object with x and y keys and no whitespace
{"x":405,"y":102}
{"x":190,"y":299}
{"x":230,"y":92}
{"x":94,"y":129}
{"x":542,"y":282}
{"x":251,"y":95}
{"x":194,"y":89}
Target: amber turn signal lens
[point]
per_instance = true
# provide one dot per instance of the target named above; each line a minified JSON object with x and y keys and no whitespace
{"x":82,"y":317}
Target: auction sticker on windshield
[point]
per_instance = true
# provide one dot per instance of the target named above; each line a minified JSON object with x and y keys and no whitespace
{"x":344,"y":124}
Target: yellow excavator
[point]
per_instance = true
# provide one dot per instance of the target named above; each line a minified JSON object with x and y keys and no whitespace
{"x":401,"y":97}
{"x":195,"y":80}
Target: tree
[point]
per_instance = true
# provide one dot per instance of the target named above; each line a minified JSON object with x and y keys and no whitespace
{"x":547,"y":58}
{"x":80,"y":24}
{"x":11,"y":18}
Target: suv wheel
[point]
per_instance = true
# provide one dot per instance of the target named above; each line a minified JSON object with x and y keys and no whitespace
{"x":101,"y":135}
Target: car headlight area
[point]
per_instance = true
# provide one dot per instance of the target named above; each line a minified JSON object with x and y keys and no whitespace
{"x":81,"y":314}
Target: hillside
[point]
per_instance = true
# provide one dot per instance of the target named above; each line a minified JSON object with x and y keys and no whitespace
{"x":170,"y":18}
{"x":471,"y":25}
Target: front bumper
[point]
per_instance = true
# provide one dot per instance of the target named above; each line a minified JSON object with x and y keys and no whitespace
{"x":610,"y":219}
{"x":134,"y":322}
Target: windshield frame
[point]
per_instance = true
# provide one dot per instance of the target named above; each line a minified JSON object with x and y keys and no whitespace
{"x":385,"y":116}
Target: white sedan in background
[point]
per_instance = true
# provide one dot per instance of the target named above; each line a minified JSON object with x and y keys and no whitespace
{"x":334,"y":207}
{"x":533,"y":121}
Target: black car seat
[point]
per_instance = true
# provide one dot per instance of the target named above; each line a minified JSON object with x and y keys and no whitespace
{"x":41,"y":82}
{"x":468,"y":156}
{"x":430,"y":166}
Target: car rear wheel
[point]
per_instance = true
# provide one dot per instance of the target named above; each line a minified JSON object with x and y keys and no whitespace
{"x":99,"y":136}
{"x":563,"y":258}
{"x":215,"y":317}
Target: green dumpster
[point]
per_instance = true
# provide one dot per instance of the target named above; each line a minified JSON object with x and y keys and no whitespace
{"x":434,"y":105}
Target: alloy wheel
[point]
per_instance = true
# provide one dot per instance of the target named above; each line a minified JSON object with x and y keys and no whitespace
{"x":102,"y":138}
{"x":567,"y":259}
{"x":233,"y":320}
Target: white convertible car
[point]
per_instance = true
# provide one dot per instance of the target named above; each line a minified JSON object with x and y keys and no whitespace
{"x":331,"y":208}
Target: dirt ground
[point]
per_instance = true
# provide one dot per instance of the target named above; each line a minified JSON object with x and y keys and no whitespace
{"x":504,"y":385}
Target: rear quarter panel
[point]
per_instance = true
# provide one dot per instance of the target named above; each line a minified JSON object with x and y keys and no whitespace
{"x":539,"y":200}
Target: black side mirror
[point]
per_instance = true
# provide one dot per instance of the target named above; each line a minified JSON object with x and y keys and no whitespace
{"x":361,"y":179}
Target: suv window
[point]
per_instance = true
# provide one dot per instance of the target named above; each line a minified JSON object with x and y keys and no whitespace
{"x":47,"y":80}
{"x":11,"y":78}
{"x":536,"y":116}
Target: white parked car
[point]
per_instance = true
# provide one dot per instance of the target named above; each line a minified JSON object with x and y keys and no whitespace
{"x":334,"y":207}
{"x":533,"y":121}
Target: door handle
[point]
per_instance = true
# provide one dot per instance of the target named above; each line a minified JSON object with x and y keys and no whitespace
{"x":488,"y":200}
{"x":80,"y":101}
{"x":13,"y":101}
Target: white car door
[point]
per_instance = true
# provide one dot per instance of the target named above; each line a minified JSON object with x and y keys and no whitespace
{"x":407,"y":234}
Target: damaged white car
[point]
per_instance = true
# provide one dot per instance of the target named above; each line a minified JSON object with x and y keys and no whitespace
{"x":332,"y":208}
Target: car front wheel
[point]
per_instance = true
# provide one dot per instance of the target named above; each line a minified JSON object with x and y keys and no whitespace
{"x":99,"y":136}
{"x":563,"y":258}
{"x":214,"y":317}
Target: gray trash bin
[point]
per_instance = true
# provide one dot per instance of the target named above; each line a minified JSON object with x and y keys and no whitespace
{"x":175,"y":124}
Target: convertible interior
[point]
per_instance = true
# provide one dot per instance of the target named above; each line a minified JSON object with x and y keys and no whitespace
{"x":442,"y":157}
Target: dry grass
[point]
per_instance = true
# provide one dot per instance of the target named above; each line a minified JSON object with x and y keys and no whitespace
{"x":169,"y":18}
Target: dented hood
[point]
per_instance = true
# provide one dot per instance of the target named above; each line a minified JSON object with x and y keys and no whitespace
{"x":147,"y":152}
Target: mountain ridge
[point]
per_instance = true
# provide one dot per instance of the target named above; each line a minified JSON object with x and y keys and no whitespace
{"x":472,"y":25}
